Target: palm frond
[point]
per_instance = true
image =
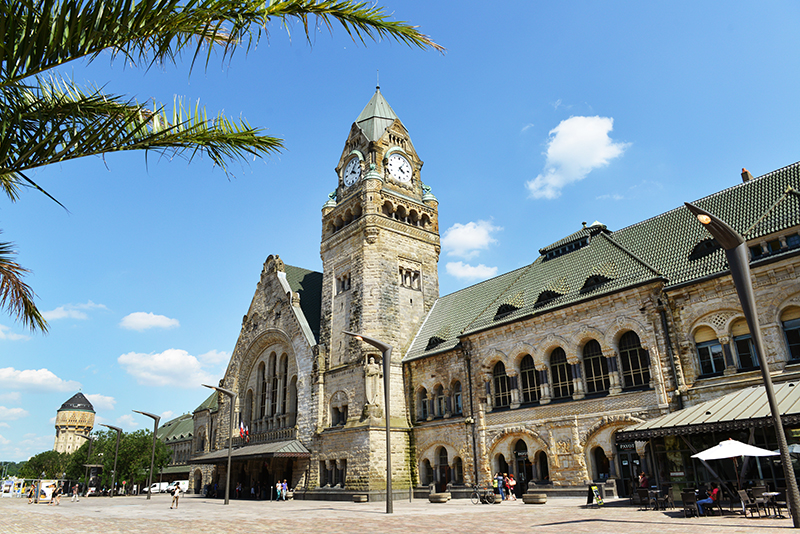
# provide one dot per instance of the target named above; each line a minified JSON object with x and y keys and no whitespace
{"x":15,"y":296}
{"x":58,"y":121}
{"x":41,"y":34}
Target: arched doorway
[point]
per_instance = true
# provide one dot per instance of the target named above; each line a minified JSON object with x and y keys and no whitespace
{"x":198,"y":481}
{"x":442,"y":470}
{"x":601,"y":464}
{"x":523,"y":470}
{"x":541,"y":471}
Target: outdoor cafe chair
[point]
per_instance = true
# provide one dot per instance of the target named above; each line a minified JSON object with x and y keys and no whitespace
{"x":666,"y":499}
{"x":644,"y":498}
{"x":749,"y":504}
{"x":689,"y":504}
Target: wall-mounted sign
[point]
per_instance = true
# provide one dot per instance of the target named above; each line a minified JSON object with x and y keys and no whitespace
{"x":674,"y":474}
{"x":626,"y":446}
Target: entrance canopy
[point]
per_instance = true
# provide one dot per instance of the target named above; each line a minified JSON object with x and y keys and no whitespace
{"x":276,"y":449}
{"x":741,"y":409}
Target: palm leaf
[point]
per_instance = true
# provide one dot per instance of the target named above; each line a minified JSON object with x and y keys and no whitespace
{"x":15,"y":296}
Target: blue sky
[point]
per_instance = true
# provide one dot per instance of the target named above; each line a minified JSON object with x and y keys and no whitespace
{"x":538,"y":117}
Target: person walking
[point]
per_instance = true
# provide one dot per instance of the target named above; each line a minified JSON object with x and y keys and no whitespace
{"x":499,"y":478}
{"x":278,"y":487}
{"x":285,"y":489}
{"x":176,"y":495}
{"x":75,"y":496}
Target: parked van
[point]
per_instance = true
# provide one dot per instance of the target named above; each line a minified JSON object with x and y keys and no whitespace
{"x":184,"y":484}
{"x":157,"y":487}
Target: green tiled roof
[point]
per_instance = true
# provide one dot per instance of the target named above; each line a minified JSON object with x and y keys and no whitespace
{"x":178,"y":429}
{"x":308,"y":284}
{"x":673,"y":247}
{"x":376,"y":116}
{"x":211,"y":403}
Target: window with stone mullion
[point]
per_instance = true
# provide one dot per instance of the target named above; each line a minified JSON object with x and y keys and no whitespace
{"x":502,"y":395}
{"x":792,"y":330}
{"x":530,"y":380}
{"x":746,"y":352}
{"x":596,"y":368}
{"x":635,"y":362}
{"x":562,"y":377}
{"x":711,"y":358}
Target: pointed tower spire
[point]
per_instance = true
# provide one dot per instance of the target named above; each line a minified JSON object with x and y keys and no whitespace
{"x":376,"y":116}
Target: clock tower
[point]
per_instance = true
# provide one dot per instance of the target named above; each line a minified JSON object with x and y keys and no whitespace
{"x":380,"y":250}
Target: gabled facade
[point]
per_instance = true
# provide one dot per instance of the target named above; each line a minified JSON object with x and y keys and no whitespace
{"x":532,"y":372}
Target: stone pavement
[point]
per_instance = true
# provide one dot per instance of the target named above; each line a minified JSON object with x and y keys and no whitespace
{"x":197,"y":515}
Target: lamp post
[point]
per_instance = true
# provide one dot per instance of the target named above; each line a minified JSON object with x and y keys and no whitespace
{"x":116,"y":454}
{"x":156,"y":419}
{"x":737,"y":254}
{"x":88,"y":457}
{"x":386,"y":355}
{"x":232,"y":396}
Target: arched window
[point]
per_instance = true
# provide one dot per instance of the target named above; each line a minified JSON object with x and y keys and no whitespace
{"x":422,"y":404}
{"x":284,"y":382}
{"x":248,"y":407}
{"x":457,"y":399}
{"x":562,"y":378}
{"x":709,"y":352}
{"x":426,"y":473}
{"x":502,"y":396}
{"x":273,"y":381}
{"x":442,"y":469}
{"x":458,"y":471}
{"x":635,"y":362}
{"x":262,"y":384}
{"x":438,"y":401}
{"x":790,"y":320}
{"x":601,"y":464}
{"x":595,"y":367}
{"x":530,"y":380}
{"x":743,"y":343}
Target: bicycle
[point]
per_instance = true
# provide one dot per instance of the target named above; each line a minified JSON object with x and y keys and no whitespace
{"x":482,"y":494}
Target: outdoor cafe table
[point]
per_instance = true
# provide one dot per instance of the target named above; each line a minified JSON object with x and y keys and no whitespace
{"x":771,"y":501}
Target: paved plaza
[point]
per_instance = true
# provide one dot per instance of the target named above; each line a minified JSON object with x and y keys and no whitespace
{"x":197,"y":515}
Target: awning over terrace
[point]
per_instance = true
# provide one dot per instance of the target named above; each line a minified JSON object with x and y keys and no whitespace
{"x":741,"y":409}
{"x":276,"y":449}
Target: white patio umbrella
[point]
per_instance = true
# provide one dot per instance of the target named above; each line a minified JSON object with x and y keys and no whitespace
{"x":730,"y":448}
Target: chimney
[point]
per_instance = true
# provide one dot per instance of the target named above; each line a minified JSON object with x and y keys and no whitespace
{"x":746,"y":176}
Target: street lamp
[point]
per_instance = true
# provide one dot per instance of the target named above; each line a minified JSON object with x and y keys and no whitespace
{"x":156,"y":419}
{"x":386,"y":355}
{"x":737,"y":254}
{"x":116,"y":454}
{"x":88,"y":456}
{"x":232,"y":396}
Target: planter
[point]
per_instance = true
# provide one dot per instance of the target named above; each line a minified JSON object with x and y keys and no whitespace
{"x":439,"y":497}
{"x":534,"y":498}
{"x":360,"y":497}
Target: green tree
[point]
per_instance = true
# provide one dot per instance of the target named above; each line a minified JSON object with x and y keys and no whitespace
{"x":53,"y":464}
{"x":45,"y":117}
{"x":133,"y":459}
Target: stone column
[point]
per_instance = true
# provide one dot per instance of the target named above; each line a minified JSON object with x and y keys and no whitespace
{"x":513,"y":388}
{"x":544,"y":386}
{"x":431,"y":405}
{"x":727,"y":354}
{"x":614,"y":378}
{"x":578,"y":391}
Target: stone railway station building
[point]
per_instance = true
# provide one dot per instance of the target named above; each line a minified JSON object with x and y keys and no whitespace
{"x":533,"y":372}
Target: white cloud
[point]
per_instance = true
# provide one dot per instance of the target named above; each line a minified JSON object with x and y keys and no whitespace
{"x":9,"y":414}
{"x":142,"y":321}
{"x":101,"y":402}
{"x":13,"y":396}
{"x":4,"y":441}
{"x":214,"y":357}
{"x":467,"y":240}
{"x":37,"y":379}
{"x":173,"y":368}
{"x":608,"y":196}
{"x":577,"y":146}
{"x":5,"y":333}
{"x":527,"y":127}
{"x":72,"y":311}
{"x":128,"y":420}
{"x":166,"y":415}
{"x":465,"y":271}
{"x":4,"y":425}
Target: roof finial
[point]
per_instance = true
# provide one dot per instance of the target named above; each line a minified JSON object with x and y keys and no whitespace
{"x":378,"y":79}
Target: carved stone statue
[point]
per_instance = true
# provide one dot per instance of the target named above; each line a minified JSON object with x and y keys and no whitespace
{"x":372,"y":380}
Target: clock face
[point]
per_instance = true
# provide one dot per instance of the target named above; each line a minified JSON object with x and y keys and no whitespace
{"x":352,"y":172}
{"x":399,"y":168}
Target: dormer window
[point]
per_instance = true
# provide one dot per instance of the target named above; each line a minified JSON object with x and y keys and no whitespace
{"x":704,"y":248}
{"x":503,"y":310}
{"x":434,"y":342}
{"x":546,"y":297}
{"x":593,"y":282}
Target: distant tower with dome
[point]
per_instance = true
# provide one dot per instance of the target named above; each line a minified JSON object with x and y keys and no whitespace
{"x":74,"y":421}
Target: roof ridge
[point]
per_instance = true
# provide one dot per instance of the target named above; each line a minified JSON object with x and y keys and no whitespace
{"x":769,"y":210}
{"x":632,"y":255}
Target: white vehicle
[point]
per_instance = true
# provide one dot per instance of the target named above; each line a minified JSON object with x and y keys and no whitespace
{"x":157,"y":487}
{"x":184,"y":484}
